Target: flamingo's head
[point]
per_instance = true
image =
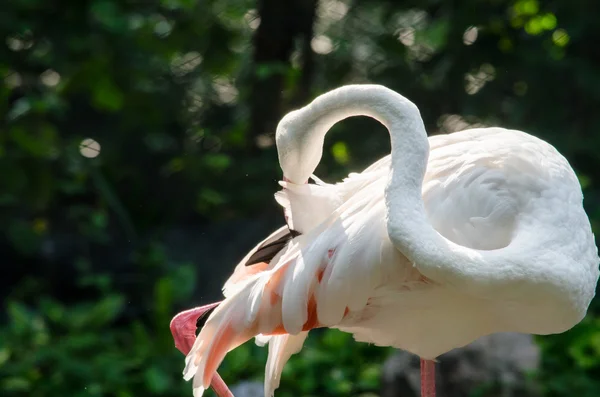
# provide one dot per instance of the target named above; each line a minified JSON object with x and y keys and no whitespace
{"x":299,"y":145}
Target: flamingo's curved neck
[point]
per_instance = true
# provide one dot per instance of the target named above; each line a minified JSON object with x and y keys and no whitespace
{"x":300,"y":136}
{"x":516,"y":273}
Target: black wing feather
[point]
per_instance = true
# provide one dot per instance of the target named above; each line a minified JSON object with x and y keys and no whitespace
{"x":202,"y":319}
{"x":268,"y":251}
{"x":264,"y":254}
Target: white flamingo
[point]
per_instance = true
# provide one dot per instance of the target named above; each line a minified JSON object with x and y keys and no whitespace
{"x":447,"y":239}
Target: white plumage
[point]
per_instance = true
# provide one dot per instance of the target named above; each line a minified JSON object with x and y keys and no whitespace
{"x":447,"y":239}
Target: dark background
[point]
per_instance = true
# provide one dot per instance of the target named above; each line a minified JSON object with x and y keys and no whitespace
{"x":137,"y":163}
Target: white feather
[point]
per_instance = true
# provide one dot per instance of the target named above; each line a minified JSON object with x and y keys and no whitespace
{"x":281,"y":348}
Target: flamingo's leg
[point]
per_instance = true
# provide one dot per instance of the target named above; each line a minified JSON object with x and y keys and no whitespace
{"x":427,"y":378}
{"x":219,"y":386}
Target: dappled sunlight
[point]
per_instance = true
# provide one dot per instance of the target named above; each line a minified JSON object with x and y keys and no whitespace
{"x":470,"y":35}
{"x":449,"y":123}
{"x":89,"y":148}
{"x":50,"y":78}
{"x":321,"y":45}
{"x":226,"y":91}
{"x":185,"y":63}
{"x":13,"y":80}
{"x":476,"y":81}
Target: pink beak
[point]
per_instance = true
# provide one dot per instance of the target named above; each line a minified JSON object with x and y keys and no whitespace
{"x":183,"y":328}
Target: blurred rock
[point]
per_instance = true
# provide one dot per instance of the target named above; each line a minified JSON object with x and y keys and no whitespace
{"x":248,"y":389}
{"x":494,"y":365}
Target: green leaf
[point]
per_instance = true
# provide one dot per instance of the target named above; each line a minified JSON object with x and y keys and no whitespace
{"x":210,"y":196}
{"x":20,"y":315}
{"x":436,"y":34}
{"x":156,"y":380}
{"x":107,"y":96}
{"x":184,"y":278}
{"x":16,"y":384}
{"x":370,"y":376}
{"x":41,"y":143}
{"x":560,"y":37}
{"x":526,"y":7}
{"x":340,"y":152}
{"x":163,"y":297}
{"x":19,"y":109}
{"x":108,"y":15}
{"x":548,"y":21}
{"x":217,"y":161}
{"x":584,"y":180}
{"x":107,"y":310}
{"x":99,"y":219}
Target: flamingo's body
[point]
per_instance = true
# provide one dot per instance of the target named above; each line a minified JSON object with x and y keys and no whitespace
{"x":426,"y":250}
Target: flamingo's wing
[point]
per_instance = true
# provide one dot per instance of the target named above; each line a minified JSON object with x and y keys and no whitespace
{"x":318,"y":280}
{"x":477,"y":182}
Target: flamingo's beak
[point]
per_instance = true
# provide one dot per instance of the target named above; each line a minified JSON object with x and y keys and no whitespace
{"x":183,"y":327}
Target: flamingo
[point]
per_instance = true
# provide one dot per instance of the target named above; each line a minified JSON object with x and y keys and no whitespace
{"x":446,"y":239}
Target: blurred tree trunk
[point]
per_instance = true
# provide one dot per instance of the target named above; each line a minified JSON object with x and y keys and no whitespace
{"x":305,"y":31}
{"x":283,"y":24}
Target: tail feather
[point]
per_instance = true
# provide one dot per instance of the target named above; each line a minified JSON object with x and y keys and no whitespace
{"x":255,"y":308}
{"x":198,"y":389}
{"x":239,"y":318}
{"x":220,"y":346}
{"x":281,"y":348}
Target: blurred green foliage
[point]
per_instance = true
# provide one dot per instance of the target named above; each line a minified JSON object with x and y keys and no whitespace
{"x":124,"y":120}
{"x":52,"y":349}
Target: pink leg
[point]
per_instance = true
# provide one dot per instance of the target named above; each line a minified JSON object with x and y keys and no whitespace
{"x":219,"y":386}
{"x":183,"y":328}
{"x":427,"y":378}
